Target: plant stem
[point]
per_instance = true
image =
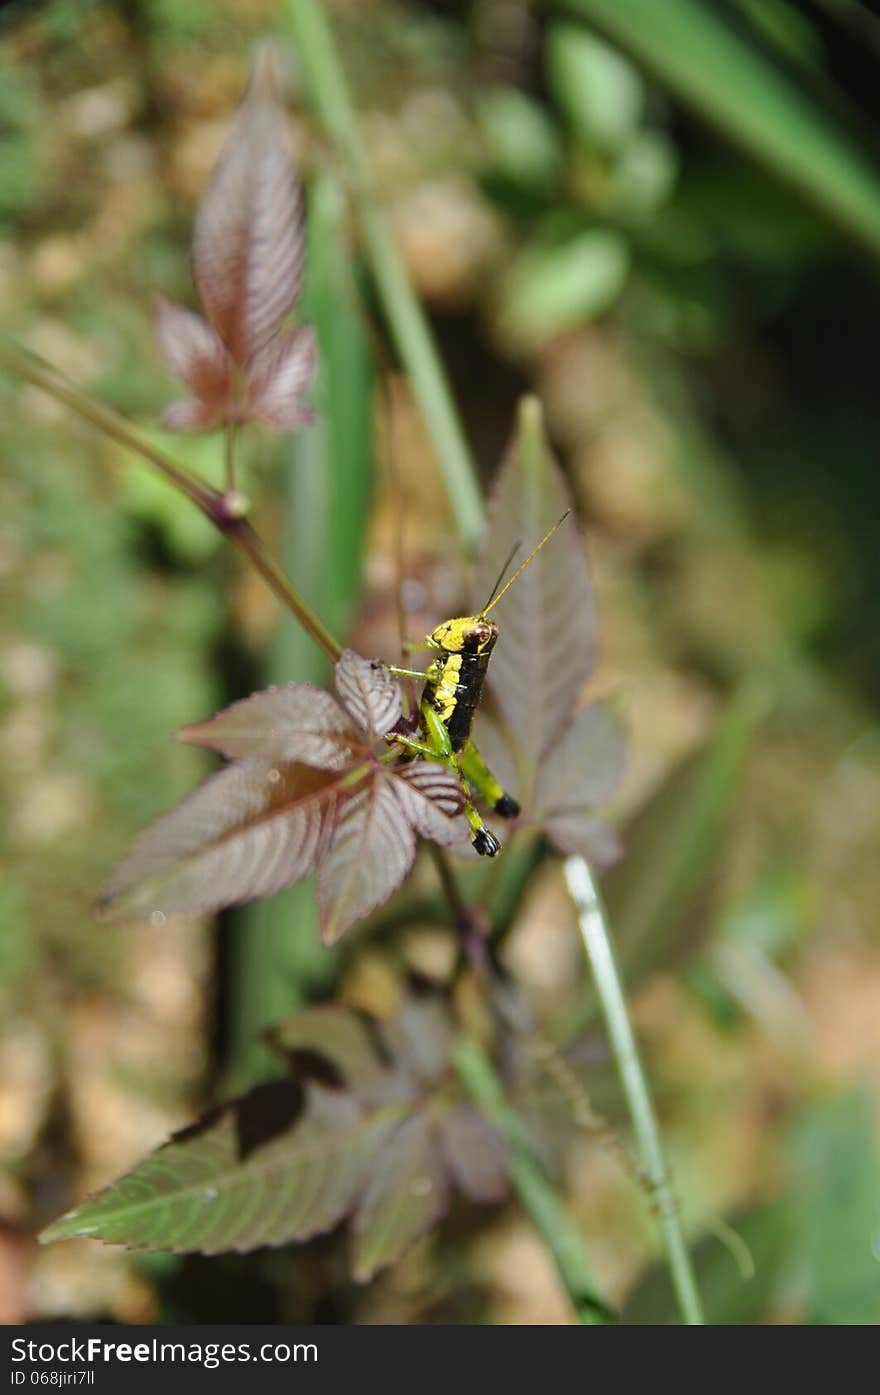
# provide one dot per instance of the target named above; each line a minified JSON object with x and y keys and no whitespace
{"x":597,"y":942}
{"x":229,"y":460}
{"x":247,"y":541}
{"x":224,"y":510}
{"x":406,"y":318}
{"x":538,"y":1198}
{"x":41,"y":374}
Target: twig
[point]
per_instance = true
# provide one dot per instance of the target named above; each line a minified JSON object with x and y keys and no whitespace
{"x":225,"y":510}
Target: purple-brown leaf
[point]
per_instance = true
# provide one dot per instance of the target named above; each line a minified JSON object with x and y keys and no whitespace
{"x":430,"y":796}
{"x":369,"y":694}
{"x":279,"y":375}
{"x":585,"y":765}
{"x":341,"y":1037}
{"x":421,"y":1037}
{"x":407,"y":1192}
{"x":192,"y":351}
{"x":250,"y":830}
{"x":476,"y":1154}
{"x":581,"y":771}
{"x":547,"y":644}
{"x":369,"y":851}
{"x":296,"y":722}
{"x":248,"y":240}
{"x":590,"y":837}
{"x":291,"y":1158}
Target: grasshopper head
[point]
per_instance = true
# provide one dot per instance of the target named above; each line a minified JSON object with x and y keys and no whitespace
{"x":468,"y":634}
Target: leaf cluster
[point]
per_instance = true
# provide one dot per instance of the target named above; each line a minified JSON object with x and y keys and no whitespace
{"x":370,"y":1123}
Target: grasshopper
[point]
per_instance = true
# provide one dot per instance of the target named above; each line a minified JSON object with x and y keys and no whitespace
{"x":449,"y":701}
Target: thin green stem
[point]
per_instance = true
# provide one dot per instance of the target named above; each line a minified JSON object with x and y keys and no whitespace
{"x":412,"y":335}
{"x":538,"y":1198}
{"x":597,"y":942}
{"x":224,"y":510}
{"x":229,"y":458}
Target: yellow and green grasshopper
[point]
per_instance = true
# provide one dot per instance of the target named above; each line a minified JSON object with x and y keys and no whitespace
{"x":449,"y":701}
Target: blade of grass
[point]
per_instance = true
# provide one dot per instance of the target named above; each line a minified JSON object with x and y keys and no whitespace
{"x":736,"y":85}
{"x":409,"y":326}
{"x":597,"y":943}
{"x":538,"y":1198}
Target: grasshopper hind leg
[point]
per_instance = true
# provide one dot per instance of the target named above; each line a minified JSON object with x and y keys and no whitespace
{"x":478,"y":774}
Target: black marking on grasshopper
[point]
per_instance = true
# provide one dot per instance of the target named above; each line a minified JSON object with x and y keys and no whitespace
{"x":450,"y":697}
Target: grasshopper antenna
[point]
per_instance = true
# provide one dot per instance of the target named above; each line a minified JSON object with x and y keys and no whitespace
{"x":510,"y":556}
{"x":493,"y":599}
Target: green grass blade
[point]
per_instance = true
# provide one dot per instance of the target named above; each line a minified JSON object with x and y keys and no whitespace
{"x":735,"y":84}
{"x":330,"y":96}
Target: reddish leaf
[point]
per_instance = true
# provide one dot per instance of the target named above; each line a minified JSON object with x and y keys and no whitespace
{"x":430,"y":796}
{"x":369,"y":694}
{"x":578,"y":832}
{"x":369,"y":851}
{"x":341,"y":1037}
{"x":248,"y":241}
{"x":250,"y":830}
{"x":476,"y":1153}
{"x":580,"y":771}
{"x":193,"y":351}
{"x":406,"y":1193}
{"x":306,"y":789}
{"x":421,"y":1037}
{"x":295,"y":722}
{"x":547,"y":644}
{"x":278,"y":375}
{"x":585,"y":766}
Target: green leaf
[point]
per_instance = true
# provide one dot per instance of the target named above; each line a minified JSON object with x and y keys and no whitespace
{"x":710,"y":62}
{"x":553,"y":288}
{"x":522,"y":141}
{"x":597,"y":89}
{"x":282,"y":1163}
{"x":837,"y":1200}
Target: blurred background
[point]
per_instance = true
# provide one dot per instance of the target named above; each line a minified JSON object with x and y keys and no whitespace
{"x":670,"y":229}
